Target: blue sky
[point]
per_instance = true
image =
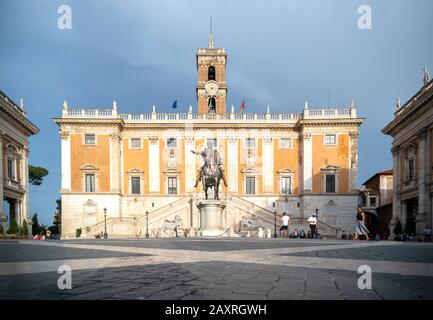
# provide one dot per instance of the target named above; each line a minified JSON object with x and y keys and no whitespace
{"x":142,"y":53}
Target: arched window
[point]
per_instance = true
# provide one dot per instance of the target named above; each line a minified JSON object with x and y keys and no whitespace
{"x":212,"y":105}
{"x":211,"y":73}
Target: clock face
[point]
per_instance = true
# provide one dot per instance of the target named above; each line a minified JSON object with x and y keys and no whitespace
{"x":211,"y":87}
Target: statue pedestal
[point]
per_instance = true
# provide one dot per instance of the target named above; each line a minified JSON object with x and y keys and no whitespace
{"x":211,"y":217}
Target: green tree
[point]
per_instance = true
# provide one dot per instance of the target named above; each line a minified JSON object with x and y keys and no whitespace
{"x":57,"y":219}
{"x":36,"y":228}
{"x":36,"y":175}
{"x":13,"y":227}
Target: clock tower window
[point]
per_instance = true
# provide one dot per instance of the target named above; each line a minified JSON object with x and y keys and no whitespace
{"x":211,"y":73}
{"x":212,"y":105}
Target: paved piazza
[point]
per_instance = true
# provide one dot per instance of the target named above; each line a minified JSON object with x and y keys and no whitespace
{"x":215,"y":269}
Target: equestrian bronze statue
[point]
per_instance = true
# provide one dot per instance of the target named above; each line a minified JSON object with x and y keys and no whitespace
{"x":211,"y":173}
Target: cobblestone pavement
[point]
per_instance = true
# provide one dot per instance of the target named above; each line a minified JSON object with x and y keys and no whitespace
{"x":215,"y":269}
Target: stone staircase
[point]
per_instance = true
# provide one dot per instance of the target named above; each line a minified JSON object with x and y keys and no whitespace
{"x":267,"y":219}
{"x":176,"y":217}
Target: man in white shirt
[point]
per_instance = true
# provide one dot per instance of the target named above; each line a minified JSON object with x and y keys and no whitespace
{"x":285,"y":227}
{"x":313,"y":225}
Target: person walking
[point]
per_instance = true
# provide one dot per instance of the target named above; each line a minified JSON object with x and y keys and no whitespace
{"x":285,"y":225}
{"x":313,"y":225}
{"x":360,"y":228}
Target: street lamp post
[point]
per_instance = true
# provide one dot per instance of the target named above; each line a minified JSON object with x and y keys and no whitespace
{"x":147,"y":224}
{"x":317,"y":224}
{"x":275,"y":224}
{"x":105,"y":223}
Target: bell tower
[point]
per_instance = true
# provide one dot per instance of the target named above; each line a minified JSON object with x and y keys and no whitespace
{"x":211,"y":80}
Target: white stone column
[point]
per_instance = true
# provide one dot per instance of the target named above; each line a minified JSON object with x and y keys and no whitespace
{"x":307,"y":159}
{"x":268,"y":165}
{"x":25,"y":184}
{"x":115,"y":163}
{"x":353,"y":172}
{"x":423,"y":161}
{"x":2,"y":212}
{"x":396,"y":206}
{"x":154,"y":165}
{"x":66,"y":160}
{"x":232,"y":164}
{"x":190,"y":171}
{"x":18,"y":213}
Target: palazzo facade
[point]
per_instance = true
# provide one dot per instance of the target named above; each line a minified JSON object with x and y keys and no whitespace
{"x":134,"y":174}
{"x":15,"y":130}
{"x":412,"y":150}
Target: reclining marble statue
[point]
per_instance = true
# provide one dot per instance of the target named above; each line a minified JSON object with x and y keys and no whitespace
{"x":212,"y":172}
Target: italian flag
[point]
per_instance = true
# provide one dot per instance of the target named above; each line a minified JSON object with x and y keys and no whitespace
{"x":242,"y":106}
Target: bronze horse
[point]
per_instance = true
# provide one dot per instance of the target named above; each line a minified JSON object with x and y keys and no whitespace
{"x":211,"y":173}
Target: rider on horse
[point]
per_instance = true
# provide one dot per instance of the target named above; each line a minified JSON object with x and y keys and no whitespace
{"x":206,"y":157}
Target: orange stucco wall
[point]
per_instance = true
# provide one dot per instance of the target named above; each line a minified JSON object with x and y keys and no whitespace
{"x":136,"y":159}
{"x":286,"y":158}
{"x":331,"y":155}
{"x":96,"y":155}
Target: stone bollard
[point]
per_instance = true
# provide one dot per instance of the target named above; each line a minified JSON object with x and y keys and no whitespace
{"x":268,"y":233}
{"x":248,"y":234}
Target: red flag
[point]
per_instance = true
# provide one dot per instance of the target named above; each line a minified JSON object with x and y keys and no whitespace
{"x":242,"y":106}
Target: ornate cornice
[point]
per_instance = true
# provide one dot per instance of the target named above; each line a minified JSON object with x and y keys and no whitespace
{"x":414,"y":105}
{"x":395,"y":151}
{"x":353,"y":134}
{"x":422,"y":133}
{"x":115,"y":137}
{"x":153,"y":140}
{"x":14,"y":112}
{"x":64,"y":134}
{"x":267,"y":140}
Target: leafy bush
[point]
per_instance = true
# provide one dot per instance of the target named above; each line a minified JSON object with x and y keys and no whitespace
{"x":13,"y":227}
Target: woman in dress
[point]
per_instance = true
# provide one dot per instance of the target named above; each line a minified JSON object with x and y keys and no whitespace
{"x":360,"y":228}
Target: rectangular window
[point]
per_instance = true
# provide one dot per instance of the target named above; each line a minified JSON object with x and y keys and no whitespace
{"x":211,"y":143}
{"x":171,"y":143}
{"x":330,"y":139}
{"x":286,"y":185}
{"x":250,"y":142}
{"x":330,"y":183}
{"x":90,"y":183}
{"x":136,"y":143}
{"x":172,"y":185}
{"x":135,"y":185}
{"x":10,"y":170}
{"x":411,"y":168}
{"x":286,"y":143}
{"x":250,"y":185}
{"x":89,"y":139}
{"x":372,"y":201}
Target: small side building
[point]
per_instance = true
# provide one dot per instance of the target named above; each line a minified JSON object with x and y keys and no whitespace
{"x":376,"y":200}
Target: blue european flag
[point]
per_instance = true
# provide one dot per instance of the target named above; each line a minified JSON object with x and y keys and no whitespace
{"x":174,"y":106}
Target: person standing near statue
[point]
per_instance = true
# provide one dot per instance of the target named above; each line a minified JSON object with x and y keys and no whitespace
{"x":285,"y":225}
{"x":313,"y":225}
{"x":360,"y":228}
